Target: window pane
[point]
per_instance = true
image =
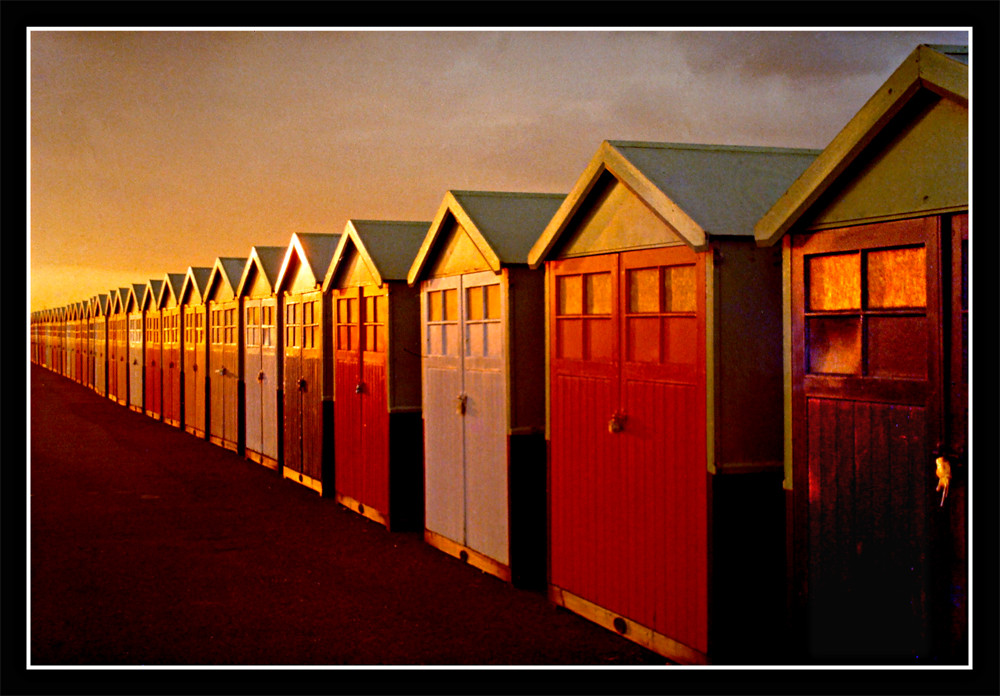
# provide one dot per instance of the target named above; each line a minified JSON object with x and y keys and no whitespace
{"x":451,"y":305}
{"x":434,"y":305}
{"x":835,"y":345}
{"x":643,"y":290}
{"x":492,"y":301}
{"x":835,"y":282}
{"x":897,"y":347}
{"x":474,"y":303}
{"x":897,"y":278}
{"x":643,"y":339}
{"x":679,"y":289}
{"x":569,"y":295}
{"x":597,"y":293}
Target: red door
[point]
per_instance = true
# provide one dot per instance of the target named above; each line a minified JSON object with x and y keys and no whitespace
{"x":628,"y":481}
{"x":871,"y":311}
{"x":293,"y":386}
{"x":171,"y":361}
{"x":195,"y":380}
{"x":154,"y":368}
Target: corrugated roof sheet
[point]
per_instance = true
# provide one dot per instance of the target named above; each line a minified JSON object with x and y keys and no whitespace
{"x":724,"y":189}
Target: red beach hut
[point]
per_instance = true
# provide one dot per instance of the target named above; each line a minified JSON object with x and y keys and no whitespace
{"x":482,"y":342}
{"x":152,"y":349}
{"x":261,"y":356}
{"x":307,"y":364}
{"x":136,"y":357}
{"x":875,"y":244}
{"x":171,"y":361}
{"x":195,"y":368}
{"x":225,"y":330}
{"x":664,"y":404}
{"x":376,"y":336}
{"x":118,"y":387}
{"x":99,"y":327}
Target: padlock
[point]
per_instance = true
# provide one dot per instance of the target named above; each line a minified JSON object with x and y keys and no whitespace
{"x":942,"y":469}
{"x":460,"y":407}
{"x":617,"y":422}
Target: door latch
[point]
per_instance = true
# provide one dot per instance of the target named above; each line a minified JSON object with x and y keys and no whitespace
{"x":260,"y":376}
{"x":462,"y":399}
{"x":302,"y":384}
{"x":617,"y":422}
{"x":942,"y":469}
{"x":360,"y":389}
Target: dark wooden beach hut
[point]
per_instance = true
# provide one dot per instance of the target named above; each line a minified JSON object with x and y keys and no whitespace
{"x":172,"y":359}
{"x":225,"y":359}
{"x":135,"y":356}
{"x":152,"y":349}
{"x":376,"y":351}
{"x":307,"y":365}
{"x":118,"y":387}
{"x":99,"y":329}
{"x":194,"y":322}
{"x":482,"y":342}
{"x":664,"y":403}
{"x":875,"y":244}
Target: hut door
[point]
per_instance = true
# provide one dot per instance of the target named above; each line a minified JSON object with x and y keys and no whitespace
{"x":293,"y":387}
{"x":171,"y":366}
{"x":349,"y":448}
{"x":870,"y":414}
{"x":304,"y":386}
{"x":154,"y":372}
{"x":254,"y":378}
{"x":135,"y":359}
{"x":194,"y":368}
{"x":628,"y":500}
{"x":123,"y":363}
{"x":267,"y":377}
{"x":230,"y":375}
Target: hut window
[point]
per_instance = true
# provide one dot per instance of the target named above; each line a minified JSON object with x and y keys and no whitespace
{"x":442,"y":322}
{"x":373,"y":317}
{"x":660,"y":319}
{"x":252,"y":320}
{"x":347,"y":327}
{"x":291,"y":325}
{"x":268,"y":330}
{"x":482,"y":322}
{"x":229,"y":317}
{"x":310,"y":324}
{"x":866,"y":313}
{"x":583,"y":316}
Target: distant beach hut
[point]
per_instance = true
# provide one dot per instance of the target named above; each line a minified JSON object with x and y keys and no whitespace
{"x":172,"y":359}
{"x":99,"y":328}
{"x":136,"y":347}
{"x":664,"y":335}
{"x":118,"y":352}
{"x":482,"y":347}
{"x":376,"y":336}
{"x":225,"y":332}
{"x":153,"y":349}
{"x":261,"y":355}
{"x":193,"y":325}
{"x":307,"y":364}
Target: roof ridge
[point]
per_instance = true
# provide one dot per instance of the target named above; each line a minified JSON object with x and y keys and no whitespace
{"x":707,"y":147}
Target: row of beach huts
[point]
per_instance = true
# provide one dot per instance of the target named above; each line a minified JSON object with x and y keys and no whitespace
{"x":714,"y":398}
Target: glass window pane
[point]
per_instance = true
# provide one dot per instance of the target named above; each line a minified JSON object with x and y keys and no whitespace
{"x":492,"y":301}
{"x":643,"y":290}
{"x":835,"y":345}
{"x":434,"y":305}
{"x":569,"y":295}
{"x":597,"y":293}
{"x":834,"y":282}
{"x":451,"y":305}
{"x":897,"y":347}
{"x":679,"y":289}
{"x":897,"y":278}
{"x":474,"y":303}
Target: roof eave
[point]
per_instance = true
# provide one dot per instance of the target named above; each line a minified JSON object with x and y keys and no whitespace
{"x":450,"y":206}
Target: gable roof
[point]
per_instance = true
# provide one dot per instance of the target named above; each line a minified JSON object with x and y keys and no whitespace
{"x":387,"y":247}
{"x":170,"y":287}
{"x":698,"y":190}
{"x":265,"y":260}
{"x":152,"y":291}
{"x":195,"y":277}
{"x":940,"y":69}
{"x":226,"y":269}
{"x":314,"y":252}
{"x":100,"y":304}
{"x":502,"y":224}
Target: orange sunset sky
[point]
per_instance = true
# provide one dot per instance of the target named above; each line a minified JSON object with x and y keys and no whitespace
{"x":151,"y":151}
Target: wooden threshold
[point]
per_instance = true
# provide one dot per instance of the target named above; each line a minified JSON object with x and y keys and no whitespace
{"x":470,"y":556}
{"x":637,"y":633}
{"x":263,"y":459}
{"x":362,"y":509}
{"x":299,"y":477}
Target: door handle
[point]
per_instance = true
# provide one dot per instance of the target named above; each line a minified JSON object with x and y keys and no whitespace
{"x":260,"y":376}
{"x":942,"y":469}
{"x":302,"y":384}
{"x":360,"y":389}
{"x":462,"y":400}
{"x":617,"y":422}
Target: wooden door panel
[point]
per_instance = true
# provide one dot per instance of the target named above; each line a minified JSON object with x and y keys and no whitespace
{"x":444,"y":476}
{"x":374,"y":433}
{"x":253,"y":384}
{"x":270,"y":423}
{"x":486,"y":503}
{"x":312,"y":415}
{"x":348,"y":446}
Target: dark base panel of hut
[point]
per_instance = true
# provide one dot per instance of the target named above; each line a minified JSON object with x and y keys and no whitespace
{"x":406,"y":472}
{"x":528,"y":505}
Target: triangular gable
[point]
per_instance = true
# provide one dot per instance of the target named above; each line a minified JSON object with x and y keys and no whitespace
{"x":306,"y":261}
{"x":261,"y":270}
{"x":151,"y":293}
{"x":384,"y":248}
{"x":501,"y":226}
{"x":224,"y":278}
{"x":937,"y":69}
{"x":170,"y":290}
{"x":195,"y":282}
{"x":100,"y":305}
{"x":133,"y":300}
{"x":120,"y":300}
{"x":698,"y":191}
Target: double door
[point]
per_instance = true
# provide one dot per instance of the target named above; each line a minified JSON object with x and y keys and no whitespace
{"x":260,"y":367}
{"x":154,"y":366}
{"x":171,"y":362}
{"x":628,"y":483}
{"x":224,"y":374}
{"x":879,"y":325}
{"x":195,"y":379}
{"x":303,"y":389}
{"x":135,"y":360}
{"x":121,"y":392}
{"x":466,"y":409}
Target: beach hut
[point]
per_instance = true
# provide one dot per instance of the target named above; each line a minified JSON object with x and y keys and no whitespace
{"x":169,"y":306}
{"x":376,"y":336}
{"x":307,"y":365}
{"x":118,"y":387}
{"x":87,"y":339}
{"x":69,"y":341}
{"x":261,"y":356}
{"x":195,"y":367}
{"x":482,"y":342}
{"x":664,"y":403}
{"x":136,"y":346}
{"x":99,"y":328}
{"x":152,"y":349}
{"x":225,"y":353}
{"x":74,"y":333}
{"x":875,"y":243}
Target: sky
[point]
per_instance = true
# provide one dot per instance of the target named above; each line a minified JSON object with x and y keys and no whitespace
{"x":153,"y":150}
